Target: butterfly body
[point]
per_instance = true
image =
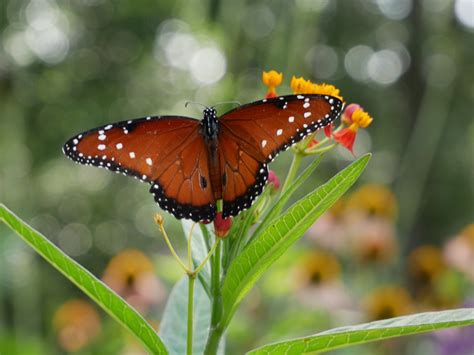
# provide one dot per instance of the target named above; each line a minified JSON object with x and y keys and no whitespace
{"x":191,"y":164}
{"x":210,"y":131}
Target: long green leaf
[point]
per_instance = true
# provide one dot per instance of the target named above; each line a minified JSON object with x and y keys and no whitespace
{"x":88,"y":283}
{"x":173,"y":327}
{"x":369,"y":332}
{"x":273,"y":213}
{"x":257,"y":257}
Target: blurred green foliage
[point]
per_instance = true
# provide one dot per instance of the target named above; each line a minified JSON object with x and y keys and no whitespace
{"x":69,"y":66}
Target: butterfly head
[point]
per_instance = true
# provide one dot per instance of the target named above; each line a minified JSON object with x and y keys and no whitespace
{"x":209,"y":123}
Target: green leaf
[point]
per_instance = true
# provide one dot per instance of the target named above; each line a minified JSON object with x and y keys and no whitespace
{"x":275,"y":210}
{"x":88,"y":283}
{"x":369,"y":332}
{"x":257,"y":257}
{"x":173,"y":327}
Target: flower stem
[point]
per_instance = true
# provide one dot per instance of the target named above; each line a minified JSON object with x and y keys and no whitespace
{"x":190,"y":254}
{"x":295,"y":164}
{"x":173,"y":252}
{"x":189,"y":343}
{"x":211,"y":252}
{"x":321,"y":150}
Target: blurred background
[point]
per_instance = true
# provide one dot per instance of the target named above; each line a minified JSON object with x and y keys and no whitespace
{"x":401,"y":241}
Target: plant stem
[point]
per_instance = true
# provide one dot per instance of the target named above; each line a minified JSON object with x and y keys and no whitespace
{"x":295,"y":164}
{"x":321,"y":150}
{"x":216,"y":331}
{"x":190,"y":254}
{"x":173,"y":252}
{"x":189,"y":343}
{"x":213,"y":342}
{"x":211,"y":252}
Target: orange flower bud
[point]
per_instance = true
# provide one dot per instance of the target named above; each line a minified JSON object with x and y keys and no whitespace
{"x":159,"y":219}
{"x":272,"y":79}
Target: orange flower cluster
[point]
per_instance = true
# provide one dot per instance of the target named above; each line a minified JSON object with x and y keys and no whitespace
{"x":353,"y":117}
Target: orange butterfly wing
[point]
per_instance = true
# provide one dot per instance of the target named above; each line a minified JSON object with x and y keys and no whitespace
{"x":252,"y":135}
{"x":167,"y":152}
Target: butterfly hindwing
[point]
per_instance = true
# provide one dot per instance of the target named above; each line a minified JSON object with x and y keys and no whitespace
{"x":243,"y":173}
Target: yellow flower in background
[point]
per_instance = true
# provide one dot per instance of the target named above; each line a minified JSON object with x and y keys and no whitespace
{"x":459,"y":252}
{"x":272,"y":79}
{"x":77,"y":324}
{"x":387,"y":302}
{"x":318,"y":267}
{"x":131,"y":274}
{"x":425,"y":264}
{"x":373,"y":200}
{"x":318,"y":282}
{"x":435,"y":286}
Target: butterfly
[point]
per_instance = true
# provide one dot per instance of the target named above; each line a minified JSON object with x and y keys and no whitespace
{"x":191,"y":164}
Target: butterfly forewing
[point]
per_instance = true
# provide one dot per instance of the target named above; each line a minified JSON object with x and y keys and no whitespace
{"x":168,"y":152}
{"x":252,"y":135}
{"x":277,"y":123}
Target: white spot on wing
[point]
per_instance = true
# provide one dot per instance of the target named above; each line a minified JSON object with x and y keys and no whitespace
{"x":102,"y":137}
{"x":101,"y":147}
{"x":119,"y":146}
{"x":307,"y":114}
{"x":291,"y":119}
{"x":279,"y":132}
{"x":149,"y":161}
{"x":132,"y":155}
{"x":306,"y":105}
{"x":264,"y":143}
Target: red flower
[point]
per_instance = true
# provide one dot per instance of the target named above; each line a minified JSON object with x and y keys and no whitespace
{"x":273,"y":179}
{"x":328,"y":130}
{"x":355,"y":117}
{"x":222,"y":225}
{"x":346,"y":137}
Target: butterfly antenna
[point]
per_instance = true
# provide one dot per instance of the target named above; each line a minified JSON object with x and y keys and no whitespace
{"x":227,"y":102}
{"x":194,"y":103}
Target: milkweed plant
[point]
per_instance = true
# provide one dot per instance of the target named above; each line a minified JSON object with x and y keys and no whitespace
{"x":226,"y":257}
